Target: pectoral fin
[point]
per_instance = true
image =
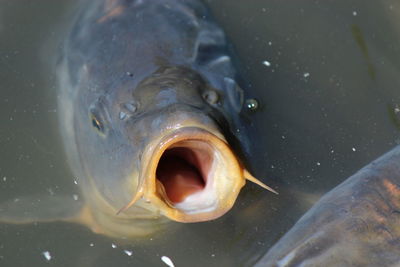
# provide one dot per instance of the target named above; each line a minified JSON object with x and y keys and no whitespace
{"x":32,"y":209}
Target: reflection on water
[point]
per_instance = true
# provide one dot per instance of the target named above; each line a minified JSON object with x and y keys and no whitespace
{"x":328,"y":104}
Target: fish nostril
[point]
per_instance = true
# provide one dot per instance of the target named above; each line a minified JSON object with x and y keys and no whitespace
{"x":122,"y":115}
{"x":131,"y":107}
{"x":128,"y":109}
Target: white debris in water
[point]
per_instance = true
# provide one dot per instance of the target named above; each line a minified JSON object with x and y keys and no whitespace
{"x":266,"y":63}
{"x":46,"y":255}
{"x":332,"y":151}
{"x":51,"y":191}
{"x":91,"y":244}
{"x":319,"y":163}
{"x":283,"y":137}
{"x":75,"y":196}
{"x":4,"y":179}
{"x":128,"y":252}
{"x":307,"y":74}
{"x":167,"y":261}
{"x":113,"y":245}
{"x":213,"y":255}
{"x":75,"y":182}
{"x":354,"y":13}
{"x":353,"y":148}
{"x":269,"y":43}
{"x":396,"y":110}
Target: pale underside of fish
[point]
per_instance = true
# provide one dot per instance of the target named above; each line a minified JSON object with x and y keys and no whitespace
{"x":149,"y":109}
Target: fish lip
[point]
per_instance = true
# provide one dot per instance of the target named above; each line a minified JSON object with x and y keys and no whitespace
{"x":225,"y":188}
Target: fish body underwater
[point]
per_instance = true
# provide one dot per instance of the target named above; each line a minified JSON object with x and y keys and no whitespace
{"x":148,"y":101}
{"x":355,"y":224}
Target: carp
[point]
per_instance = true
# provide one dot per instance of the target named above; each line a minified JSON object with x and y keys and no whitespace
{"x":148,"y":107}
{"x":355,"y":224}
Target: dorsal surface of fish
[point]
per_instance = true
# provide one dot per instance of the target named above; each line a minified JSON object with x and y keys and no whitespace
{"x":355,"y":224}
{"x":147,"y":104}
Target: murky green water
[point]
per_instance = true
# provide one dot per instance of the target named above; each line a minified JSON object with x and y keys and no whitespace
{"x":326,"y":74}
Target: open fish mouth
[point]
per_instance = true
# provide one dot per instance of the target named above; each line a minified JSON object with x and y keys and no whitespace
{"x":184,"y":169}
{"x":191,"y":175}
{"x":196,"y":175}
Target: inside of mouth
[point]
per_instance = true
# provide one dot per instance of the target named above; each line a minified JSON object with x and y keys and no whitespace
{"x":184,"y":169}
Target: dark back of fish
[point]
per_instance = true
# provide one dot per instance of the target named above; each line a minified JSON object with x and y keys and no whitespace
{"x":355,"y":224}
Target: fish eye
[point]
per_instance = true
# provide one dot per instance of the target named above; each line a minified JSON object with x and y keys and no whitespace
{"x":97,"y":124}
{"x":211,"y":97}
{"x":98,"y":116}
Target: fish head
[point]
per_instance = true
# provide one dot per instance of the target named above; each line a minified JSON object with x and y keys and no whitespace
{"x":159,"y":146}
{"x":187,"y":169}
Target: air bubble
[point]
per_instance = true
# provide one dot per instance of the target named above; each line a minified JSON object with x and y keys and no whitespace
{"x":46,"y":255}
{"x":251,"y":104}
{"x":128,"y":252}
{"x":167,"y":261}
